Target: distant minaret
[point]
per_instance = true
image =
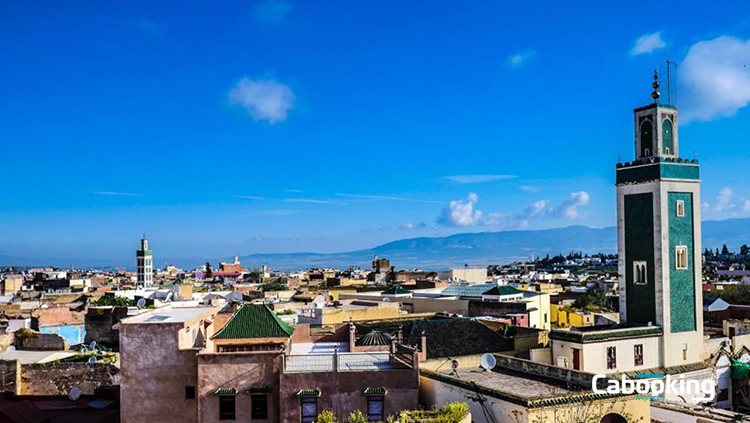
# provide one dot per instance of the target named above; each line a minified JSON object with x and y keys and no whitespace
{"x":659,"y":235}
{"x":145,"y":264}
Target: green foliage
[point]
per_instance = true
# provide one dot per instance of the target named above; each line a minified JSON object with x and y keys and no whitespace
{"x":739,"y":295}
{"x":285,"y":312}
{"x":356,"y":417}
{"x":453,"y":412}
{"x":113,"y":301}
{"x":209,"y":271}
{"x":274,"y":286}
{"x":327,"y":416}
{"x":24,"y":333}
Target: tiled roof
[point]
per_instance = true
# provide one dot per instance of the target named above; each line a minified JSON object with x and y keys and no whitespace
{"x":457,"y":337}
{"x":375,"y":391}
{"x":396,"y":289}
{"x":308,"y":393}
{"x":226,"y":391}
{"x":254,"y":321}
{"x":593,"y":336}
{"x":503,"y":290}
{"x":467,"y":290}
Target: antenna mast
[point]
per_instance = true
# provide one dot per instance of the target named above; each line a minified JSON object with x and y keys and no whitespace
{"x":669,"y":80}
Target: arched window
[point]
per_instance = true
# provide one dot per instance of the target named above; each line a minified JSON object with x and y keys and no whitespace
{"x":647,"y":142}
{"x":614,"y":418}
{"x":667,"y":138}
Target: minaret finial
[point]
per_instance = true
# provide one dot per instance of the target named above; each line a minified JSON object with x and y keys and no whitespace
{"x":655,"y":95}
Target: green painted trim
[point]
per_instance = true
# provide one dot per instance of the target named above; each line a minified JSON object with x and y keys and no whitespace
{"x":375,"y":391}
{"x":585,"y":337}
{"x":308,"y":393}
{"x":681,"y":281}
{"x":226,"y":391}
{"x":655,"y":171}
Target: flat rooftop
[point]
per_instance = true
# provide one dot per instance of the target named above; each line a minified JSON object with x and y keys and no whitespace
{"x":33,"y":357}
{"x":519,"y":385}
{"x":171,"y":315}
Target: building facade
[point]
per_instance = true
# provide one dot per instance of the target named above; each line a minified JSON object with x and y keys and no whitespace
{"x":145,"y":264}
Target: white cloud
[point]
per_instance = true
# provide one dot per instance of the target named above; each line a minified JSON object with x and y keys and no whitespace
{"x":411,"y":225}
{"x":117,"y":194}
{"x":248,"y":197}
{"x":264,"y":99}
{"x":520,"y":59}
{"x":461,"y":213}
{"x":528,"y":188}
{"x":272,"y":11}
{"x":725,"y":200}
{"x":312,"y":201}
{"x":647,"y":44}
{"x":715,"y":79}
{"x":477,"y":179}
{"x":569,"y":208}
{"x":387,"y":198}
{"x":746,"y":206}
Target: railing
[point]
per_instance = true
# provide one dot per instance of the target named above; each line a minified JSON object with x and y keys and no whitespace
{"x":344,"y":362}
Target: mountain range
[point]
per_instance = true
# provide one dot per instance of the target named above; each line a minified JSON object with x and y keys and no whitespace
{"x":481,"y":248}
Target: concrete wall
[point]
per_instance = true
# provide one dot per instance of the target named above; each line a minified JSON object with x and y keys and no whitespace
{"x":42,"y":342}
{"x":342,"y":392}
{"x":99,"y":323}
{"x":240,"y":371}
{"x":593,"y":356}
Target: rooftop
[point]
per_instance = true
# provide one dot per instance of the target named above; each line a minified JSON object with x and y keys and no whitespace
{"x":467,"y":290}
{"x":35,"y":357}
{"x":254,"y":321}
{"x":600,"y":333}
{"x":170,"y":315}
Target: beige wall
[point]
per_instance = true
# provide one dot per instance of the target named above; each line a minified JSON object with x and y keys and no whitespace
{"x":594,"y":354}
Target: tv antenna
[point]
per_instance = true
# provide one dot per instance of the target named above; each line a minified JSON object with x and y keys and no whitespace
{"x":670,"y":64}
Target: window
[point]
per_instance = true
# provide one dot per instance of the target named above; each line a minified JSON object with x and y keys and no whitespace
{"x":375,"y":407}
{"x":680,"y":208}
{"x":226,"y":407}
{"x":647,"y":143}
{"x":638,"y":352}
{"x":680,"y":254}
{"x":611,"y":357}
{"x":639,"y":273}
{"x":723,"y":395}
{"x":259,"y":407}
{"x":309,"y":409}
{"x":190,"y":392}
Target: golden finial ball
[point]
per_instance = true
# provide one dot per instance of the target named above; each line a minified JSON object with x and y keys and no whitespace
{"x":655,"y":95}
{"x":655,"y":84}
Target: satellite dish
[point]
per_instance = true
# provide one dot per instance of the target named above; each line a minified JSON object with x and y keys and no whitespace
{"x":84,"y":350}
{"x":386,"y":300}
{"x":141,"y":303}
{"x":11,"y":348}
{"x":488,"y":361}
{"x":92,"y":360}
{"x":75,"y":393}
{"x":92,"y":345}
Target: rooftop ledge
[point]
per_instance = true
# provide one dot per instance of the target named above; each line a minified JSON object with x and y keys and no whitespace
{"x":602,"y":333}
{"x":652,"y":160}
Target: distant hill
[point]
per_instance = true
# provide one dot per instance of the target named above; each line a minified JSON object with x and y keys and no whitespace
{"x":492,"y":247}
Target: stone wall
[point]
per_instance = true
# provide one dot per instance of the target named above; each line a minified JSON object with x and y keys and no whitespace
{"x":10,"y":376}
{"x":58,"y":378}
{"x":99,"y":325}
{"x":41,"y":341}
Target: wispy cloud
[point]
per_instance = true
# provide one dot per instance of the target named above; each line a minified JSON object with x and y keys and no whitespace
{"x":120,"y":194}
{"x":249,"y":197}
{"x":411,"y":225}
{"x":647,"y":43}
{"x":312,"y":201}
{"x":528,"y":188}
{"x":520,"y":59}
{"x":264,"y":98}
{"x":272,"y":11}
{"x":387,"y":198}
{"x":293,"y":191}
{"x":477,"y":179}
{"x":715,"y":79}
{"x":725,"y":200}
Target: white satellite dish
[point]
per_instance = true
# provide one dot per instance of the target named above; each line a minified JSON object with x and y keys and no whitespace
{"x":141,"y":303}
{"x":92,"y":345}
{"x":386,"y":300}
{"x":75,"y":393}
{"x":84,"y":350}
{"x":488,"y":361}
{"x":11,"y":348}
{"x":92,"y":360}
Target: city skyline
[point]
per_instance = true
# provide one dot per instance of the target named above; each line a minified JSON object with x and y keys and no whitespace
{"x":286,"y":137}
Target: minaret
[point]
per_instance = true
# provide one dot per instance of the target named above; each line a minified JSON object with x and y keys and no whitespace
{"x":145,"y":263}
{"x":659,"y":235}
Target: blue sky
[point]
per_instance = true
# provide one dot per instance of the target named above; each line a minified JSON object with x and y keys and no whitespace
{"x":326,"y":126}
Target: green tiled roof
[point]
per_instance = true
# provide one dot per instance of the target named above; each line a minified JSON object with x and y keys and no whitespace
{"x":375,"y":391}
{"x":580,"y":337}
{"x":503,"y":290}
{"x":226,"y":391}
{"x":395,"y":290}
{"x":308,"y":393}
{"x":254,"y":321}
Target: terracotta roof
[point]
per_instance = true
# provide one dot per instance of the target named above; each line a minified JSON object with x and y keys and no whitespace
{"x":254,"y":321}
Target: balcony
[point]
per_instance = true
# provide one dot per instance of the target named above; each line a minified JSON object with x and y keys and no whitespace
{"x":347,"y":362}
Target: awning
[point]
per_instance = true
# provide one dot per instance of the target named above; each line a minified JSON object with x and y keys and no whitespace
{"x":375,"y":391}
{"x":226,"y":391}
{"x":308,"y":393}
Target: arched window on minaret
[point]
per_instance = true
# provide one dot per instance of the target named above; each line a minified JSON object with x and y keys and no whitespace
{"x":647,"y":142}
{"x":667,"y":139}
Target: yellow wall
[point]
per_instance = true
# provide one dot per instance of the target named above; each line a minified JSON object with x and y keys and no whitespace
{"x":335,"y":315}
{"x":566,"y":319}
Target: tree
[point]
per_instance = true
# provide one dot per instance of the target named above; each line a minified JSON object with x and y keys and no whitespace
{"x":724,"y":250}
{"x":209,"y":272}
{"x":112,"y":301}
{"x":744,"y":250}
